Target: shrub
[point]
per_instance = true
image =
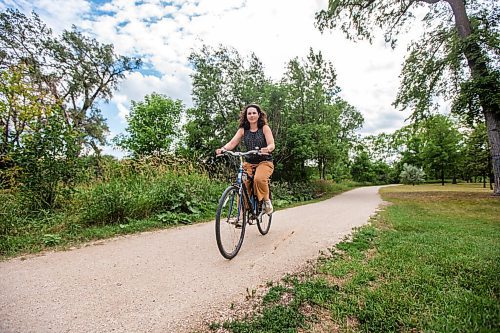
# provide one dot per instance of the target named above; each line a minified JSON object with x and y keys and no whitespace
{"x":141,"y":196}
{"x":48,"y":163}
{"x":411,"y":175}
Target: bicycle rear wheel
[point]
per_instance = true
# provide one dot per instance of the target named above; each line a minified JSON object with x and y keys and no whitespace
{"x":264,"y":220}
{"x":228,"y":234}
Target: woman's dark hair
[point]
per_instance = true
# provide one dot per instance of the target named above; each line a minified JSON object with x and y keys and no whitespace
{"x":243,"y":116}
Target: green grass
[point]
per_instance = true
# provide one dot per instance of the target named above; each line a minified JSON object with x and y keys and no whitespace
{"x":428,"y":263}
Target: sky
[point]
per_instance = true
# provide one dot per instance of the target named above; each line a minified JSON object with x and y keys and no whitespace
{"x":164,"y":33}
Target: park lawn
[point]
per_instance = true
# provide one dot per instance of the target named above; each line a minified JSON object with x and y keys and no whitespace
{"x":429,"y":262}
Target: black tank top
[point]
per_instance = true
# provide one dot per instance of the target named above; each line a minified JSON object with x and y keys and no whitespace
{"x":253,"y":140}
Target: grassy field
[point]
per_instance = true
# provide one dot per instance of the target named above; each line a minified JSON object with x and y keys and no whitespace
{"x":429,"y":263}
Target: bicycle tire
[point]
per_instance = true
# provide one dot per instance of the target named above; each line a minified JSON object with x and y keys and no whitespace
{"x":229,"y":245}
{"x":264,"y":222}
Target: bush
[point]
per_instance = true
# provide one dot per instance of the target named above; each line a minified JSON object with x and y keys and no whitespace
{"x":48,"y":163}
{"x":141,"y":196}
{"x":411,"y":175}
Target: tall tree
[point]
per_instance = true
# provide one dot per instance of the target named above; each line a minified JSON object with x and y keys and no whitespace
{"x":74,"y":70}
{"x":457,"y":58}
{"x":223,"y":83}
{"x":321,"y":126}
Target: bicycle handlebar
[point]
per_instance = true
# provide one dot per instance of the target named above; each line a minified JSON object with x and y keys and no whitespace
{"x":240,"y":154}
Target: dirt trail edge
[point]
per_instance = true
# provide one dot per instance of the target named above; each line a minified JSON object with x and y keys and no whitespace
{"x":166,"y":281}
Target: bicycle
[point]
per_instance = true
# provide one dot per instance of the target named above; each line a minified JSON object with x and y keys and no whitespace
{"x":237,"y":208}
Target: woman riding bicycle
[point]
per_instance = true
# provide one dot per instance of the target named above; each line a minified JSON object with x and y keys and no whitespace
{"x":256,"y":134}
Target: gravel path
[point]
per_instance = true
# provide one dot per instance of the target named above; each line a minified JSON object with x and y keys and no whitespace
{"x":169,"y":280}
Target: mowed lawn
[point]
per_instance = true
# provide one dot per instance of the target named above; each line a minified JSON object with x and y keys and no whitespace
{"x":430,"y":262}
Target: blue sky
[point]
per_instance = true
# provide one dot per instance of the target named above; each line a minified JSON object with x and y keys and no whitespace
{"x":163,"y":34}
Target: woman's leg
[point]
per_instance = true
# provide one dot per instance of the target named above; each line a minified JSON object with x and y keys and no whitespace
{"x":261,"y":179}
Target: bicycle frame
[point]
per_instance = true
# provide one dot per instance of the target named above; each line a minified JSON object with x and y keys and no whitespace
{"x":253,"y":206}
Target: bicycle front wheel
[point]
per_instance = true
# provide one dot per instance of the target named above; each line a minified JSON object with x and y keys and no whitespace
{"x":229,"y":226}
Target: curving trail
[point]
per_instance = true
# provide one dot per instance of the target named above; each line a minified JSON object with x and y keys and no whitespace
{"x":166,"y":281}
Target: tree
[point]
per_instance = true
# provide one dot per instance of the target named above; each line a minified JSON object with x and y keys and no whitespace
{"x":320,"y":125}
{"x":48,"y":162}
{"x":71,"y":71}
{"x":440,"y":149}
{"x":21,"y":106}
{"x":476,"y":154}
{"x":223,"y":83}
{"x":408,"y":143}
{"x":380,"y":147}
{"x":152,"y":126}
{"x":362,"y":168}
{"x":455,"y":59}
{"x":411,"y":175}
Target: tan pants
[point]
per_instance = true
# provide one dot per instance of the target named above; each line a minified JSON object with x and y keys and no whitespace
{"x":263,"y":172}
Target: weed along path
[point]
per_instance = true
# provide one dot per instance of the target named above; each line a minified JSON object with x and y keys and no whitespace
{"x":169,"y":280}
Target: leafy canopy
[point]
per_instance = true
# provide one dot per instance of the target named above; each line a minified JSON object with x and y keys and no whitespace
{"x":153,"y":125}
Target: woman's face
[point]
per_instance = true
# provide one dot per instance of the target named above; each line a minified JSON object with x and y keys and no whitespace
{"x":252,"y":115}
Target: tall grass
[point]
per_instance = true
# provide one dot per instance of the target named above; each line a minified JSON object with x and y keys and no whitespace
{"x":129,"y":196}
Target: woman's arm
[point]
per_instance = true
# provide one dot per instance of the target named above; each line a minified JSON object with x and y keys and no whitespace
{"x":269,"y":139}
{"x":233,"y":143}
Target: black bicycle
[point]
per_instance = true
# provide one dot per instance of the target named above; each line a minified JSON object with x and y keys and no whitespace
{"x":237,"y":208}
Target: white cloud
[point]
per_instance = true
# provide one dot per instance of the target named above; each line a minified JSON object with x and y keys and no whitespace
{"x":58,"y":14}
{"x":136,"y":86}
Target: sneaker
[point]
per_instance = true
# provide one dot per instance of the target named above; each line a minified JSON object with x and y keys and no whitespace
{"x":268,"y":207}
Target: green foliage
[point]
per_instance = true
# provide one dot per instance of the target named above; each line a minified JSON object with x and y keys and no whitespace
{"x":318,"y":126}
{"x":223,"y":82}
{"x":309,"y":121}
{"x":49,"y":86}
{"x":71,"y":71}
{"x":141,"y":196}
{"x":411,"y":175}
{"x":367,"y":169}
{"x":152,"y":126}
{"x":361,"y":168}
{"x":48,"y":163}
{"x":440,"y":149}
{"x":476,"y":154}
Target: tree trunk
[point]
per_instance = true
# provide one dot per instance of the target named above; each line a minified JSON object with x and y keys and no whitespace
{"x":487,"y":89}
{"x":442,"y":176}
{"x":493,"y":126}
